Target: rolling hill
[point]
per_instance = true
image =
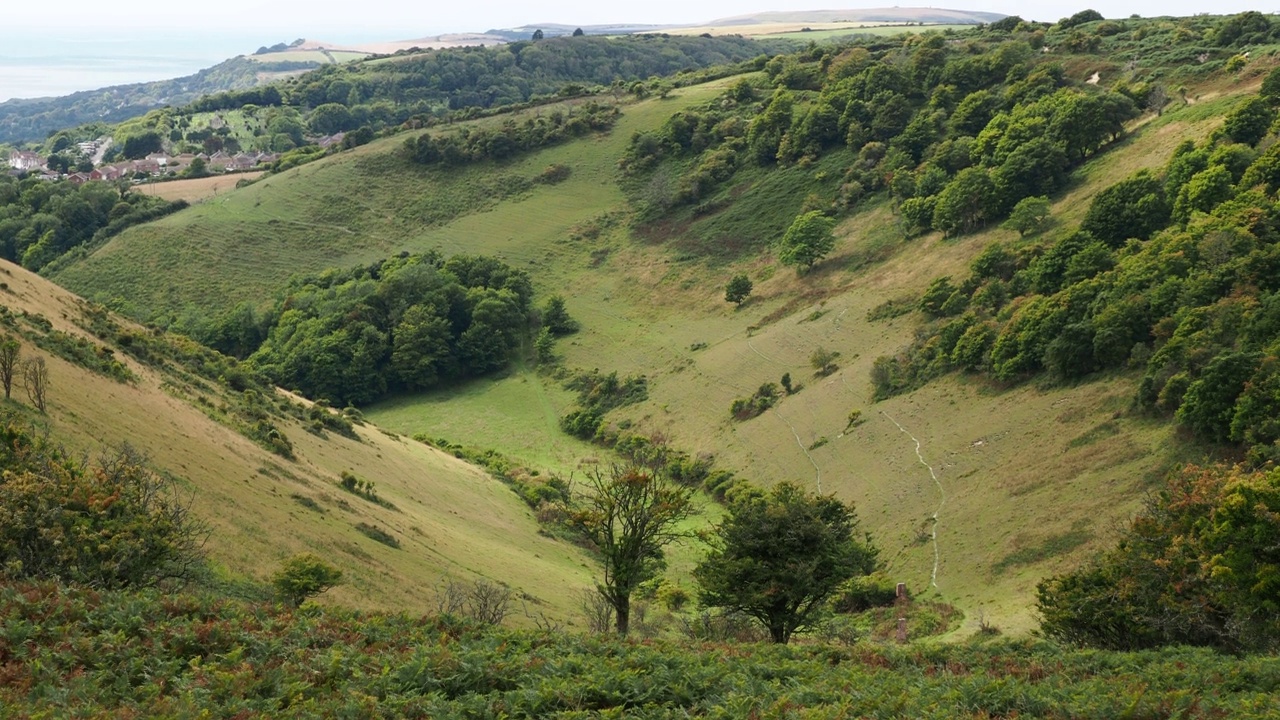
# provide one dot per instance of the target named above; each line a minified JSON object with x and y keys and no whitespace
{"x":451,"y":520}
{"x":974,"y":489}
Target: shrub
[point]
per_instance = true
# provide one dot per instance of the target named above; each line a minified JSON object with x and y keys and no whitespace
{"x":823,"y":361}
{"x":765,"y":397}
{"x":304,"y":576}
{"x":110,"y":524}
{"x":377,"y":534}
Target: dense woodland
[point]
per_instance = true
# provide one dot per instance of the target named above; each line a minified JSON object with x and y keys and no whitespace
{"x":1171,"y":273}
{"x":412,"y":322}
{"x":40,"y":221}
{"x":31,"y":120}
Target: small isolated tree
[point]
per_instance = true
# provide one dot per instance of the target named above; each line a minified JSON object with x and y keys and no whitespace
{"x":555,"y":317}
{"x":807,"y":241}
{"x":1157,"y":98}
{"x":537,"y":34}
{"x":544,"y":347}
{"x":578,"y":33}
{"x":10,"y":352}
{"x":778,"y":558}
{"x":35,"y":376}
{"x":1029,"y":216}
{"x":488,"y":602}
{"x":304,"y":576}
{"x":824,"y":361}
{"x":630,"y":514}
{"x":738,"y":289}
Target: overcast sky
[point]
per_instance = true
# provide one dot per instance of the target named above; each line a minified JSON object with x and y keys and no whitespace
{"x":403,"y":19}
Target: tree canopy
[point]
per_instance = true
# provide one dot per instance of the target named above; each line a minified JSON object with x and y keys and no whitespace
{"x":780,"y":556}
{"x":1200,"y":565}
{"x":807,"y":241}
{"x":630,"y":514}
{"x":412,"y":322}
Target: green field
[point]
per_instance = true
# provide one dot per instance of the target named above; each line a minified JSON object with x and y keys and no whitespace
{"x":357,"y":204}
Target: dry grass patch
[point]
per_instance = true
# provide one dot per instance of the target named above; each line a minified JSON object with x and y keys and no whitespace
{"x":198,"y":189}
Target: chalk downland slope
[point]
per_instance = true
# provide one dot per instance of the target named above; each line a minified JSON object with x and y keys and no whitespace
{"x":451,"y":520}
{"x":1029,"y":479}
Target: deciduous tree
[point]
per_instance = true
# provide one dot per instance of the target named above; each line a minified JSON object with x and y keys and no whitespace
{"x":1029,"y":215}
{"x":969,"y":201}
{"x":35,"y":377}
{"x":778,"y":558}
{"x":10,"y":351}
{"x":807,"y":241}
{"x":304,"y":576}
{"x":738,"y":289}
{"x":631,"y":514}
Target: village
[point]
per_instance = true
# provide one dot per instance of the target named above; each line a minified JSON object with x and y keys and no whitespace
{"x":153,"y":167}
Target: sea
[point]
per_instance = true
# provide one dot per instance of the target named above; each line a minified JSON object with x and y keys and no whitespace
{"x":50,"y":64}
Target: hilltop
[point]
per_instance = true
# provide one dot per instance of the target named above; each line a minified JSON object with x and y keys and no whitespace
{"x":33,"y":120}
{"x":932,"y":16}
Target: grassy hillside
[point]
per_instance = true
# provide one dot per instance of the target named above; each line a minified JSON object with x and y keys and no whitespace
{"x":360,"y":206}
{"x":451,"y":519}
{"x":974,"y":490}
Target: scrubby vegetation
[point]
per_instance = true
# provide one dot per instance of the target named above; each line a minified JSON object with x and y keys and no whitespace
{"x":470,"y":145}
{"x":1199,"y":565}
{"x":111,"y":653}
{"x":598,"y":394}
{"x":765,"y":397}
{"x":1170,"y":273}
{"x":112,"y":523}
{"x":956,"y":134}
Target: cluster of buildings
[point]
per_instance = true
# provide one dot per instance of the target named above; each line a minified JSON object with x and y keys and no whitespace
{"x":156,"y":164}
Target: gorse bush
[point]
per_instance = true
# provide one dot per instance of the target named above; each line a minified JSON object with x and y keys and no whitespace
{"x":112,"y":523}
